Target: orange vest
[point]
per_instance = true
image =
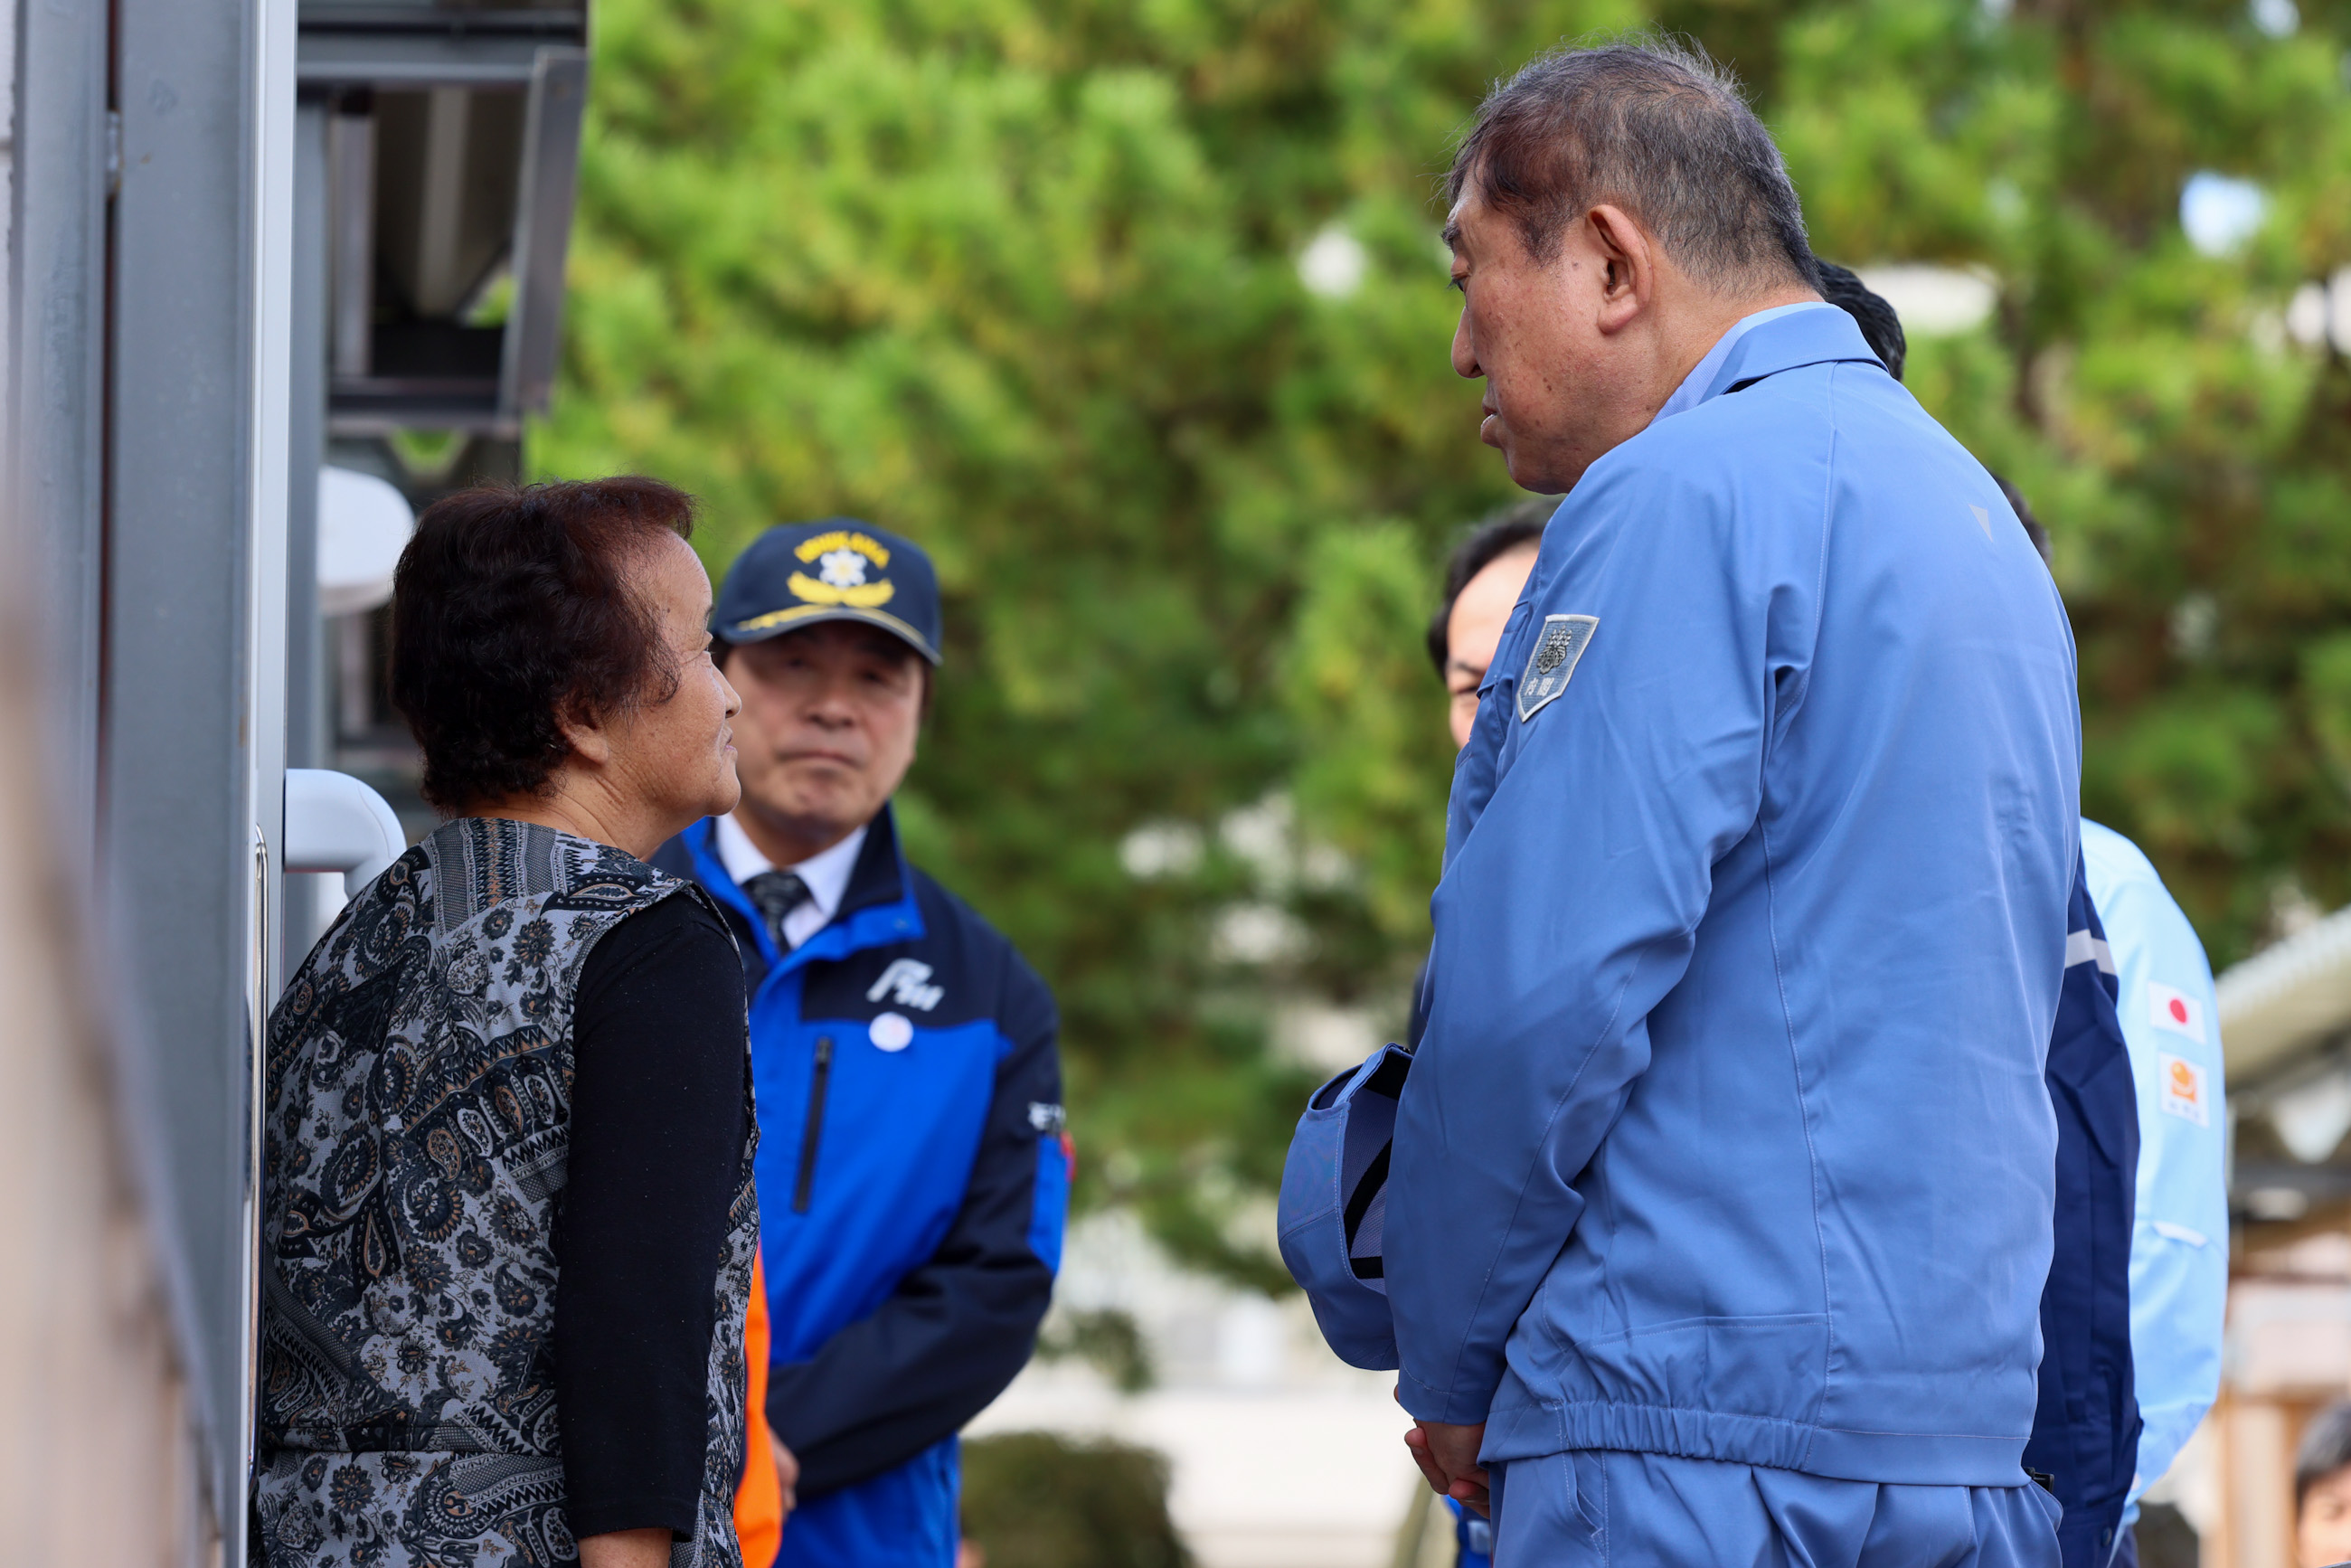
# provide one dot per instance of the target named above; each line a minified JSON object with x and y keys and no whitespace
{"x":759,"y":1499}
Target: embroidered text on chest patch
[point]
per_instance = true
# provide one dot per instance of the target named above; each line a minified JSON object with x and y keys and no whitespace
{"x":1561,"y":643}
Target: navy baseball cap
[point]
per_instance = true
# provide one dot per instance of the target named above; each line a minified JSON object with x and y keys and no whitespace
{"x":802,"y":574}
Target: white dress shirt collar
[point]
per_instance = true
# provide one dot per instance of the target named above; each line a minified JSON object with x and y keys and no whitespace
{"x":825,"y":874}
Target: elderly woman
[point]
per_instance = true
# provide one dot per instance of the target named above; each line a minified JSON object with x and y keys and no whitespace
{"x":507,"y":1212}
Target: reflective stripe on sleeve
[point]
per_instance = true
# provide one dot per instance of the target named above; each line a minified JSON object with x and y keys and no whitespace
{"x":2080,"y":947}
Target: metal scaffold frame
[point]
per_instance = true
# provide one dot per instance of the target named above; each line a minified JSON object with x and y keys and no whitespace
{"x":186,"y":323}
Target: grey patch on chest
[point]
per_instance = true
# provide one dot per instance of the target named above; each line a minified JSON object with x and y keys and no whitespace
{"x":1557,"y":648}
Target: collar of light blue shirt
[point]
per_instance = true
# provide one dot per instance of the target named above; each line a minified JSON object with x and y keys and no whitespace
{"x":1692,"y":391}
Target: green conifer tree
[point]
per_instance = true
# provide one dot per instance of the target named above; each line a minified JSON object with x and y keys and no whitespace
{"x":1134,"y":315}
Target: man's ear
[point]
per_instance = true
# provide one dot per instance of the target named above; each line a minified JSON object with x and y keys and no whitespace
{"x":1628,"y":265}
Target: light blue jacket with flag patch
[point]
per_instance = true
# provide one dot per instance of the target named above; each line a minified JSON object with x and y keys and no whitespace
{"x":1728,"y":1137}
{"x":2179,"y":1247}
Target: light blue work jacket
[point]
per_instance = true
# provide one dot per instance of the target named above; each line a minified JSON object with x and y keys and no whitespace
{"x":1728,"y":1137}
{"x":2180,"y":1243}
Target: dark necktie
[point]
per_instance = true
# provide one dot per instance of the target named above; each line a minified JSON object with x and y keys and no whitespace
{"x":776,"y":894}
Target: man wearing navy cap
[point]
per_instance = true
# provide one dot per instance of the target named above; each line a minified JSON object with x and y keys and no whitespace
{"x":914,"y":1174}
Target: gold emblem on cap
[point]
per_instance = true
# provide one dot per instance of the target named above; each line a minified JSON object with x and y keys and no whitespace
{"x":841,"y":557}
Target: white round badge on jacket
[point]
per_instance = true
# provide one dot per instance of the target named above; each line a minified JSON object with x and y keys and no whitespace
{"x":891,"y":1032}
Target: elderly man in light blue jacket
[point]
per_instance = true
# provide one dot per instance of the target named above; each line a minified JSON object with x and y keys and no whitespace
{"x":1720,"y":1198}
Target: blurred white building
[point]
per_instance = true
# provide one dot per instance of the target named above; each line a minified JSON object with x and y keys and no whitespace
{"x":1283,"y":1457}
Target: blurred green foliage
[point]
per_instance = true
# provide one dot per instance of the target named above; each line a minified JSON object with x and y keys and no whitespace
{"x":1022,"y":278}
{"x":1037,"y":1499}
{"x":2190,"y":454}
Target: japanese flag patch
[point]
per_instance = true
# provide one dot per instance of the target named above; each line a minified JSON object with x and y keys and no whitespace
{"x":2183,"y":1088}
{"x":1553,"y":660}
{"x":2175,"y":1010}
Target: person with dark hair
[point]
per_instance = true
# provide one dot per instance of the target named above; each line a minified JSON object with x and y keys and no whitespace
{"x":2131,"y":1333}
{"x":2023,"y":510}
{"x":508,"y":1219}
{"x":1881,"y":329}
{"x":1483,"y":577}
{"x":2321,"y":1489}
{"x":2177,"y":1255}
{"x":1719,"y":1194}
{"x":2087,"y":1441}
{"x":913,"y":1166}
{"x":1485,"y":573}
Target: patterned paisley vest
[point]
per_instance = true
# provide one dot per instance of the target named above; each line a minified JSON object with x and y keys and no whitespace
{"x":419,"y":1119}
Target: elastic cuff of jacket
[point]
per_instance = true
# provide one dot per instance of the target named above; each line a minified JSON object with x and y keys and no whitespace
{"x":817,"y":1472}
{"x":1453,"y":1407}
{"x":801,"y":1442}
{"x":831,"y":1472}
{"x":634,"y":1511}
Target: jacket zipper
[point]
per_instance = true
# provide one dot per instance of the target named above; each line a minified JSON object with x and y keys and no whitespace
{"x":814,"y":1131}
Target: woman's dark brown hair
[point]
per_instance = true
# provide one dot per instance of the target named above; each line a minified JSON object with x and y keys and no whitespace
{"x":511,"y":611}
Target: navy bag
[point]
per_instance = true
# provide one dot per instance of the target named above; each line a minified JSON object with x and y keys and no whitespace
{"x":2085,"y":1444}
{"x":1334,"y":1190}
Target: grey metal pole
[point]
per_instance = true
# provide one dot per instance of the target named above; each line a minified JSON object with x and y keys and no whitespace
{"x":352,"y":153}
{"x":55,"y":397}
{"x":306,"y":445}
{"x":306,"y":653}
{"x":194,"y":701}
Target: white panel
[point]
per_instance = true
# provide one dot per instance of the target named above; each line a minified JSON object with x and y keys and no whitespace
{"x":364,"y":523}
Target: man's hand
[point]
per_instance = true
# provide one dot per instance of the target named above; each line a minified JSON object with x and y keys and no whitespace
{"x":1447,"y":1456}
{"x":788,"y":1472}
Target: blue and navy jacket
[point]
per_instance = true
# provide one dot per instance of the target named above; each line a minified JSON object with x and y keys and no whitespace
{"x":913,"y":1181}
{"x":2086,"y":1426}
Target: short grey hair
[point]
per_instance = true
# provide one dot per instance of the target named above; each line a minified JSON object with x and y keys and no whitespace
{"x":1655,"y":126}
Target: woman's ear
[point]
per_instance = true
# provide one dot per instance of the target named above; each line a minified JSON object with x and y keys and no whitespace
{"x":590,"y":741}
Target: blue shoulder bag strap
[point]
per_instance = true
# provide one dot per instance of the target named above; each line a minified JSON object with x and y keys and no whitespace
{"x":2086,"y":1429}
